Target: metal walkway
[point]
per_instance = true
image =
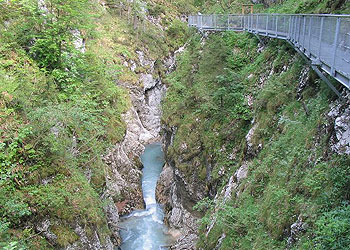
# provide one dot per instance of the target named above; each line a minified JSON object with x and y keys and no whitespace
{"x":324,"y":39}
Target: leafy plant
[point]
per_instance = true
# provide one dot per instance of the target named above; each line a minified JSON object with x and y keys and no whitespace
{"x":333,"y":228}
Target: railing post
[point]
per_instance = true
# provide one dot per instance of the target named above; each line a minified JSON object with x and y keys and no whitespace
{"x":290,"y":32}
{"x":298,"y":29}
{"x":217,"y":24}
{"x":250,"y":22}
{"x":337,"y":28}
{"x":310,"y":37}
{"x":228,"y":22}
{"x":320,"y":38}
{"x":276,"y":26}
{"x":295,"y":29}
{"x":256,"y":26}
{"x":267,"y":24}
{"x":304,"y":28}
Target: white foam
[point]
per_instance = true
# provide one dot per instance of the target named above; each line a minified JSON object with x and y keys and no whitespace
{"x":146,"y":227}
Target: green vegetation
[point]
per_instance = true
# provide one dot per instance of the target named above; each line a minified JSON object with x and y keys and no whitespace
{"x":312,"y":6}
{"x":60,"y":107}
{"x":294,"y":175}
{"x":280,"y":6}
{"x":59,"y":111}
{"x":210,"y":92}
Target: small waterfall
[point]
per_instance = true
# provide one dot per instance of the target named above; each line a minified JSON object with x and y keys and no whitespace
{"x":144,"y":229}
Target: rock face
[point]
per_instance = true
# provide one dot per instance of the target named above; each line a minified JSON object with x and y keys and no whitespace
{"x":342,"y":130}
{"x":43,"y":227}
{"x":339,"y":115}
{"x":92,"y":242}
{"x":233,"y":187}
{"x":266,"y":2}
{"x":182,"y":222}
{"x":296,"y":229}
{"x":179,"y":195}
{"x":233,"y":183}
{"x":179,"y":217}
{"x":252,"y":149}
{"x":142,"y":127}
{"x":303,"y":81}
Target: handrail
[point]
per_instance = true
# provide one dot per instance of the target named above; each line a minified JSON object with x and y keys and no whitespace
{"x":323,"y":38}
{"x":279,"y":14}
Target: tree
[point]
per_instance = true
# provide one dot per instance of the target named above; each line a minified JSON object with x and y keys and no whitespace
{"x":48,"y":31}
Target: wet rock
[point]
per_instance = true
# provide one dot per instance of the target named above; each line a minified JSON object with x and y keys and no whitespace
{"x":142,"y":127}
{"x":181,"y":219}
{"x":150,"y":107}
{"x":112,"y":214}
{"x":164,"y":184}
{"x":177,"y":216}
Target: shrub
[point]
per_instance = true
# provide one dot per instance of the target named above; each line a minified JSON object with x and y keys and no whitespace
{"x":333,"y":228}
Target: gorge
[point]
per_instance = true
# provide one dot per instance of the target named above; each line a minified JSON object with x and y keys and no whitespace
{"x":251,"y":148}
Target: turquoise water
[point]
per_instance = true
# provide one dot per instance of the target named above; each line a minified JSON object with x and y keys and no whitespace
{"x":144,"y":229}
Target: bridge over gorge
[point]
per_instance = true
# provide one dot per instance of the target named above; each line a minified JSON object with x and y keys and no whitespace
{"x":323,"y":39}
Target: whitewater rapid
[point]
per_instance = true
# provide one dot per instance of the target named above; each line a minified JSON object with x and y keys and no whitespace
{"x":144,"y":229}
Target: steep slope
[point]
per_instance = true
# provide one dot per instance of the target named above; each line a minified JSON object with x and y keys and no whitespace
{"x":81,"y":84}
{"x":258,"y":143}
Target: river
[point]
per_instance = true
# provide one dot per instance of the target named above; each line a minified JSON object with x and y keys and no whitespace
{"x":144,"y":229}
